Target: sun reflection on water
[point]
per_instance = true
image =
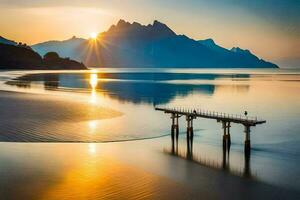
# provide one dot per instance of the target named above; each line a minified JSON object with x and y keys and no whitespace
{"x":93,"y":83}
{"x":92,"y":125}
{"x":94,"y":80}
{"x":92,"y":148}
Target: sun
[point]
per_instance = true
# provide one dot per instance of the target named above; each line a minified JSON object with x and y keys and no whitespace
{"x":93,"y":35}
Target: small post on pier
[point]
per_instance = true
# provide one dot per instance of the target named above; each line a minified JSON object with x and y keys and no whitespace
{"x":247,"y":139}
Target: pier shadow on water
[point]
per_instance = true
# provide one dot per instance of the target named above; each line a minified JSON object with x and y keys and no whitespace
{"x":186,"y":150}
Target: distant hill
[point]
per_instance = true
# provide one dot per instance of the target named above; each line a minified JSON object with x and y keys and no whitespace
{"x":6,"y":41}
{"x":23,"y":57}
{"x":155,"y":45}
{"x":66,"y":48}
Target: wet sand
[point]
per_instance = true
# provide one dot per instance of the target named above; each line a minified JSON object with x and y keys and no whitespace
{"x":125,"y":170}
{"x":76,"y":171}
{"x":122,"y":170}
{"x":48,"y":118}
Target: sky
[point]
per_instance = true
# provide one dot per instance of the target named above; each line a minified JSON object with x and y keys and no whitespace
{"x":268,"y":28}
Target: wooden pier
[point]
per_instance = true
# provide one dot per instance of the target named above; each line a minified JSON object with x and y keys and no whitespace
{"x":225,"y":119}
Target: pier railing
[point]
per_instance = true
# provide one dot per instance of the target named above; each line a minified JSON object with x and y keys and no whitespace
{"x":236,"y":118}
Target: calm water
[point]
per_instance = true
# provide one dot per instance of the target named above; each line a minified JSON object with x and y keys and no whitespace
{"x":273,"y":95}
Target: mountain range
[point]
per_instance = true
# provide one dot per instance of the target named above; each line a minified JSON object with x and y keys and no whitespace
{"x":155,"y":45}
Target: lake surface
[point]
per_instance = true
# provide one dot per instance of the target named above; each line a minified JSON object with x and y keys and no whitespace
{"x":272,"y":95}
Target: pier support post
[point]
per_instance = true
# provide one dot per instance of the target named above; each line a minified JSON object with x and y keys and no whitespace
{"x":189,"y":148}
{"x":226,"y":134}
{"x":173,"y":126}
{"x":188,"y":127}
{"x":247,"y":168}
{"x":177,"y":127}
{"x":192,"y":129}
{"x":189,"y":136}
{"x":247,"y":139}
{"x":225,"y":161}
{"x":189,"y":131}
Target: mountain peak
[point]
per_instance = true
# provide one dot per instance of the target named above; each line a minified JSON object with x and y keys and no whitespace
{"x":208,"y":42}
{"x":138,"y":31}
{"x":158,"y":26}
{"x":157,"y":23}
{"x":239,"y":50}
{"x":122,"y":23}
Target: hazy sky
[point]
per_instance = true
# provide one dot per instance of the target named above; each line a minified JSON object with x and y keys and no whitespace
{"x":269,"y":28}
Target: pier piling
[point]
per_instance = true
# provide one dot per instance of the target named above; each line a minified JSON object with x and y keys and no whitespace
{"x":175,"y":126}
{"x":247,"y":139}
{"x":190,"y":131}
{"x":226,"y":134}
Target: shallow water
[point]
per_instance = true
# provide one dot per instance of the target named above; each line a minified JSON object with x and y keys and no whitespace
{"x":272,"y":95}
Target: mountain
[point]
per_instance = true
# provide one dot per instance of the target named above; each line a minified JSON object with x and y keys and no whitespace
{"x":155,"y":45}
{"x":6,"y":41}
{"x":23,"y":57}
{"x":237,"y":55}
{"x":66,"y":48}
{"x":210,"y":43}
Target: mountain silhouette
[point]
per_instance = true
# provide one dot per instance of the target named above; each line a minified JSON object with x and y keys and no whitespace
{"x":6,"y":41}
{"x":155,"y":45}
{"x":66,"y":48}
{"x":21,"y":56}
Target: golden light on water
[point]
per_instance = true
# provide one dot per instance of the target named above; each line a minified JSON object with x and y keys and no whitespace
{"x":91,"y":175}
{"x":93,"y":83}
{"x":93,"y":80}
{"x":92,"y":124}
{"x":92,"y":148}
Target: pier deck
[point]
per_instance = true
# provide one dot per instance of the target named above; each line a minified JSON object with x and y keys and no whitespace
{"x":250,"y":121}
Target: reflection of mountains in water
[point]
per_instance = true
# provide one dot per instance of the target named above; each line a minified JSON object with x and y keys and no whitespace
{"x":152,"y":88}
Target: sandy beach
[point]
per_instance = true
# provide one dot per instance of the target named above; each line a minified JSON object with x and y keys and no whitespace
{"x":134,"y":170}
{"x":61,"y":119}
